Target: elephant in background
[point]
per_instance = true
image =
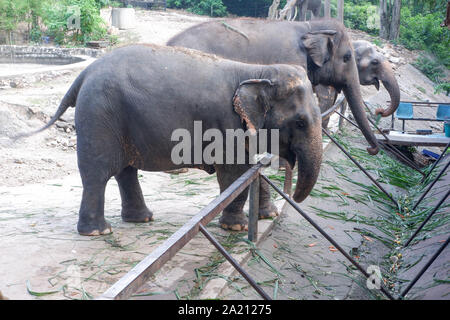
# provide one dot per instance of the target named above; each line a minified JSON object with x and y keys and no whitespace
{"x":314,"y":6}
{"x":129,"y":103}
{"x":296,"y":9}
{"x":322,"y":47}
{"x":373,"y":67}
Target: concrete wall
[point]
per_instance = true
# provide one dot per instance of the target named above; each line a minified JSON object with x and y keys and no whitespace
{"x":45,"y":55}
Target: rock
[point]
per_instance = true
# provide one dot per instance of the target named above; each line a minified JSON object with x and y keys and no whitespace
{"x":394,"y":59}
{"x":14,"y":84}
{"x":62,"y":124}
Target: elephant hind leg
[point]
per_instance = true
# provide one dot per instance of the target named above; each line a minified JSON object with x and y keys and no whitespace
{"x":98,"y":161}
{"x":267,"y":208}
{"x":133,"y":204}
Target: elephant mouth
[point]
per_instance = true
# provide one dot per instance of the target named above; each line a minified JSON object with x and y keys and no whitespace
{"x":376,"y":83}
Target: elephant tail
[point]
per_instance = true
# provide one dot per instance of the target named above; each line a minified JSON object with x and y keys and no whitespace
{"x":69,"y":100}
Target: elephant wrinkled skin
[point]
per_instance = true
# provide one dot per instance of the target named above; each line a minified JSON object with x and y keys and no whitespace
{"x":322,"y":47}
{"x":129,"y":102}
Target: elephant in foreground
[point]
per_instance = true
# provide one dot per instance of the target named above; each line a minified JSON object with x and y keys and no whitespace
{"x":322,"y":47}
{"x":129,"y":103}
{"x":373,"y":67}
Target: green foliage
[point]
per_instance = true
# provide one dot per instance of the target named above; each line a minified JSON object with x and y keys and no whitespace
{"x":442,"y":88}
{"x":213,"y":8}
{"x":254,"y":8}
{"x":431,"y":68}
{"x":60,"y":16}
{"x":363,"y":17}
{"x":55,"y":15}
{"x":423,"y":32}
{"x":14,"y":11}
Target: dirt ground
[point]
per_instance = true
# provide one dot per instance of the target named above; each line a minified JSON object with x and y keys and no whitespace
{"x":43,"y":257}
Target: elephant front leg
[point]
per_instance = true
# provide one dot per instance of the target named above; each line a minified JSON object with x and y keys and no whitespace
{"x":134,"y":208}
{"x":267,"y":208}
{"x":233,"y":217}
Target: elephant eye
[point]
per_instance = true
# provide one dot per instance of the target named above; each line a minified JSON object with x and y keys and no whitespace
{"x":374,"y":62}
{"x":301,"y":123}
{"x":347,"y":56}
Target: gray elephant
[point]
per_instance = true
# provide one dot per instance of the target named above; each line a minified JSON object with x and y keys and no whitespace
{"x":304,"y":5}
{"x":129,"y":103}
{"x":322,"y":47}
{"x":373,"y":67}
{"x":314,"y":6}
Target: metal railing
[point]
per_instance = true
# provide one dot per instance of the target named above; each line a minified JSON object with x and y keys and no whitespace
{"x":141,"y":273}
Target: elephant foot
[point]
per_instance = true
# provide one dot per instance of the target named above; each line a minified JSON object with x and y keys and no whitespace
{"x":137,"y":215}
{"x":94,"y":229}
{"x":234,"y":222}
{"x":268,"y":212}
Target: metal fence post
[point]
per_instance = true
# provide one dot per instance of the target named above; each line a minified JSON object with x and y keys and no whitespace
{"x":253,"y":213}
{"x":422,"y":271}
{"x":431,"y":185}
{"x":427,"y":218}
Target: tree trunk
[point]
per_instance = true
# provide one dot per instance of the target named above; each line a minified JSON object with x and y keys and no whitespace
{"x":390,"y":18}
{"x":395,"y":20}
{"x":289,"y":10}
{"x":327,"y":9}
{"x":340,"y":10}
{"x":384,"y":19}
{"x":273,"y":10}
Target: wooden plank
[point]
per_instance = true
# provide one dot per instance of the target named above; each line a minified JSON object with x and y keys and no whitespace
{"x":415,"y":139}
{"x":140,"y":274}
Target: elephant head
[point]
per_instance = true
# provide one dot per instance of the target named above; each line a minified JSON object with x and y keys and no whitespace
{"x":285,"y":101}
{"x":372,"y":68}
{"x":331,"y":61}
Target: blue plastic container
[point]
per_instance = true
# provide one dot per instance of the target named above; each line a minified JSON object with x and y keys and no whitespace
{"x":447,"y":128}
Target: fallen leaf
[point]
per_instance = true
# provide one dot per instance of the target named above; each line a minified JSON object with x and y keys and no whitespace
{"x":345,"y":194}
{"x":400,"y":215}
{"x":368,"y":239}
{"x":331,"y":227}
{"x":312,"y":244}
{"x":275,"y":246}
{"x":332,"y":248}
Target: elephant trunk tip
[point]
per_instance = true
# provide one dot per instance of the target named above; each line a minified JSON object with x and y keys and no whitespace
{"x":381,"y":111}
{"x":299,"y":197}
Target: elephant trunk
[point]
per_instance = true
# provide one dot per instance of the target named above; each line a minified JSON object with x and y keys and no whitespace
{"x":309,"y":158}
{"x":391,"y":85}
{"x":356,"y":104}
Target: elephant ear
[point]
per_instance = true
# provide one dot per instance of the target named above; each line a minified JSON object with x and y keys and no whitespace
{"x":250,"y":101}
{"x":319,"y":45}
